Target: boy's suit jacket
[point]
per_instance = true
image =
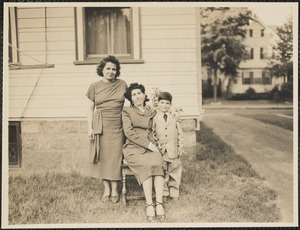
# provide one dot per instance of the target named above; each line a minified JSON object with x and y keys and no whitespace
{"x":169,"y":134}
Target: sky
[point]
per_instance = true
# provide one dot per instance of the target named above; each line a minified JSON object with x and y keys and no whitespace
{"x":272,"y":15}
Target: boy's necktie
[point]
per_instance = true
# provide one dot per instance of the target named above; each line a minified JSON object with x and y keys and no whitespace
{"x":165,"y":117}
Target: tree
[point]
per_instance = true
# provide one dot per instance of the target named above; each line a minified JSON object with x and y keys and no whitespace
{"x":222,"y":33}
{"x":283,"y":66}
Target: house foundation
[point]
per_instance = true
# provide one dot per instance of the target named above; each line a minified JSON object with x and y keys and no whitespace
{"x":63,"y":146}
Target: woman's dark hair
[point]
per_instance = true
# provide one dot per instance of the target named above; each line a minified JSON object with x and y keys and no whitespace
{"x":133,"y":86}
{"x":105,"y":60}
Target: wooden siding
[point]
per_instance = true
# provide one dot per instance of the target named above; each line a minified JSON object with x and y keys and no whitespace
{"x":168,"y":48}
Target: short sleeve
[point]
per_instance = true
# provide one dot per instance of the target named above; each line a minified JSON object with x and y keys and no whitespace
{"x":91,"y":92}
{"x":125,"y":86}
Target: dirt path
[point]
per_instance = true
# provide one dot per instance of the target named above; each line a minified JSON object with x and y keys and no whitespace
{"x":268,"y":148}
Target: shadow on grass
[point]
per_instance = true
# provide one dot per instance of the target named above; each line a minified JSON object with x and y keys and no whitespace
{"x":211,"y":147}
{"x":217,"y":186}
{"x":271,"y":119}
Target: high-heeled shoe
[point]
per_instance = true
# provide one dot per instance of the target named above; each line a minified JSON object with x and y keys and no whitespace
{"x":161,"y":217}
{"x":150,"y":218}
{"x":105,"y":198}
{"x":115,"y":199}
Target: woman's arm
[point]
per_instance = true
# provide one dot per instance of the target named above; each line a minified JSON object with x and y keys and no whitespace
{"x":90,"y":115}
{"x":131,"y":133}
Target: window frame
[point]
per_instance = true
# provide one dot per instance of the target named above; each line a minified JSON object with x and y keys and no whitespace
{"x":17,"y":124}
{"x":262,"y":32}
{"x":251,"y":78}
{"x":251,"y":33}
{"x":251,"y":53}
{"x":269,"y":77}
{"x":261,"y":53}
{"x":14,"y":35}
{"x":81,"y":57}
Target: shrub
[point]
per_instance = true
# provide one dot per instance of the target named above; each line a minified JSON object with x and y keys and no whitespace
{"x":276,"y":97}
{"x":207,"y":89}
{"x":286,"y":92}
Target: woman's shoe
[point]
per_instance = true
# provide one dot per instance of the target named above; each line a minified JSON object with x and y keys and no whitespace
{"x":150,"y":218}
{"x":162,"y":216}
{"x":105,"y":198}
{"x":115,"y":199}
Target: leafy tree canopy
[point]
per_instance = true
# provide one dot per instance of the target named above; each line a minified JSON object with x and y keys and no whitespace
{"x":284,"y":64}
{"x":285,"y":45}
{"x":222,"y":32}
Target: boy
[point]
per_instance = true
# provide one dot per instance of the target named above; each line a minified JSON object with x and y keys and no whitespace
{"x":168,"y":132}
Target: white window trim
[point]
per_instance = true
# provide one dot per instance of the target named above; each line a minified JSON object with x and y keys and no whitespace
{"x":13,"y":31}
{"x":80,"y":46}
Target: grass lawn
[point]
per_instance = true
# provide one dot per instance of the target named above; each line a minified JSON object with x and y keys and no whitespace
{"x":217,"y":186}
{"x":271,"y":117}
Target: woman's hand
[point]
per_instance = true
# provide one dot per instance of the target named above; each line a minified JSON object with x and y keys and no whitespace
{"x":152,"y":147}
{"x":91,"y":134}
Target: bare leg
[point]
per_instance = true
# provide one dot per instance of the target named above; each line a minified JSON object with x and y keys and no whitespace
{"x":147,"y":187}
{"x":106,"y":188}
{"x":114,"y":188}
{"x":159,"y":186}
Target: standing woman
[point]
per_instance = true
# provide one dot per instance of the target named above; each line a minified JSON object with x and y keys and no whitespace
{"x":140,"y":150}
{"x":106,"y":101}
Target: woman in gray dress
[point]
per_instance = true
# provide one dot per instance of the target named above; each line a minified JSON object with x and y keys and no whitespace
{"x":106,"y":101}
{"x":140,"y":150}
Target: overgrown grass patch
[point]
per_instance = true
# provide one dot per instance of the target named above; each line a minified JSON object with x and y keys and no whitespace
{"x":217,"y":186}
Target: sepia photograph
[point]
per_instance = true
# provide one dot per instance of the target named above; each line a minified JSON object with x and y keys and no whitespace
{"x":149,"y":114}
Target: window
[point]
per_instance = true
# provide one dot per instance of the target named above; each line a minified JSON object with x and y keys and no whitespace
{"x":257,"y":80}
{"x":107,"y":30}
{"x":262,"y":32}
{"x":266,"y":77}
{"x":12,"y":35}
{"x":261,"y":53}
{"x":251,"y":33}
{"x":14,"y":147}
{"x":251,"y":53}
{"x":247,"y":78}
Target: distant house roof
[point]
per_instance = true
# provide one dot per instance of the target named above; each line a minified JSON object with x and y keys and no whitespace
{"x":270,"y":28}
{"x":273,"y":27}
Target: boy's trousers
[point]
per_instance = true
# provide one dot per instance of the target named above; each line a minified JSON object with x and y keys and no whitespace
{"x":173,"y":172}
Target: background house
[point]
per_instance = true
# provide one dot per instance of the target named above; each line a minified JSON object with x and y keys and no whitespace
{"x":53,"y":54}
{"x":260,"y":41}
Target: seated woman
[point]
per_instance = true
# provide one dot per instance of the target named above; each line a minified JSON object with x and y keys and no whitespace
{"x":140,"y":150}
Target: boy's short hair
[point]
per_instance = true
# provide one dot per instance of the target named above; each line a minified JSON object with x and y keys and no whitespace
{"x":165,"y":96}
